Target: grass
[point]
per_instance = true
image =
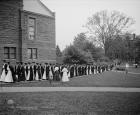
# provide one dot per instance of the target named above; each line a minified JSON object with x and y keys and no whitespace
{"x":75,"y":103}
{"x":106,"y":79}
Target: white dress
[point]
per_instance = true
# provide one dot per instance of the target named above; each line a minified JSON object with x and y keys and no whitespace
{"x":74,"y":72}
{"x":87,"y":71}
{"x":37,"y":76}
{"x":3,"y":75}
{"x":28,"y":75}
{"x":90,"y":71}
{"x":69,"y":74}
{"x":44,"y":74}
{"x":65,"y":75}
{"x":9,"y":77}
{"x":25,"y":72}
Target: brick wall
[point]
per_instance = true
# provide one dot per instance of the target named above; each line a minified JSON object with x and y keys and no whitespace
{"x":9,"y":25}
{"x":44,"y":40}
{"x":14,"y":32}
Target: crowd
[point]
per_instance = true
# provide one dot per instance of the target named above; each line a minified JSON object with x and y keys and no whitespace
{"x":52,"y":72}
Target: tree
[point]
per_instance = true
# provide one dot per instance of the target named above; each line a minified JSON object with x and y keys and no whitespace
{"x":104,"y":26}
{"x":71,"y":54}
{"x":75,"y":55}
{"x":58,"y":51}
{"x":80,"y":40}
{"x":83,"y":43}
{"x":137,"y":49}
{"x":59,"y":56}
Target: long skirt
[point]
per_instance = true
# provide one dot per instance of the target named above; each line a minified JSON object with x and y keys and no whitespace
{"x":9,"y":77}
{"x":28,"y":76}
{"x":69,"y":74}
{"x":44,"y":75}
{"x":90,"y":72}
{"x":87,"y":72}
{"x":3,"y":75}
{"x":37,"y":76}
{"x":25,"y":75}
{"x":74,"y":73}
{"x":65,"y":77}
{"x":50,"y":75}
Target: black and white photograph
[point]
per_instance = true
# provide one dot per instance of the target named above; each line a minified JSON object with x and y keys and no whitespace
{"x":69,"y":57}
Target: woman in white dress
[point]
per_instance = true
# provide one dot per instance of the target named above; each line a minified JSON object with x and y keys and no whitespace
{"x":44,"y":74}
{"x":50,"y":74}
{"x":9,"y":78}
{"x":69,"y":74}
{"x":65,"y":75}
{"x":37,"y":76}
{"x":3,"y":75}
{"x":90,"y":72}
{"x":25,"y":71}
{"x":28,"y":75}
{"x":87,"y":70}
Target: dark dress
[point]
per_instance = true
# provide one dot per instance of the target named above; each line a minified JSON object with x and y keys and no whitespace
{"x":47,"y":72}
{"x":17,"y":72}
{"x":31,"y":74}
{"x":22,"y":74}
{"x":39,"y":72}
{"x":13,"y":73}
{"x":72,"y":71}
{"x":57,"y":75}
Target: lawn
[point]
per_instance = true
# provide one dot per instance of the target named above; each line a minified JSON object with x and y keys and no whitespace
{"x":136,"y":70}
{"x":73,"y":103}
{"x":106,"y":79}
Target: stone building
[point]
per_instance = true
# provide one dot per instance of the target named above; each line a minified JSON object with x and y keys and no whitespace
{"x":27,"y":31}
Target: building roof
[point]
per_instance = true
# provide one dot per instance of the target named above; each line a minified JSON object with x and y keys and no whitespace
{"x":37,"y":6}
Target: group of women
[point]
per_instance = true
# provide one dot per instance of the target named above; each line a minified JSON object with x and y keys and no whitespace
{"x":52,"y":72}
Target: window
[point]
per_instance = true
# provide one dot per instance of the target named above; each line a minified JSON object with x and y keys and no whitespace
{"x":31,"y":28}
{"x":29,"y":53}
{"x":13,"y":53}
{"x":32,"y":53}
{"x":6,"y":53}
{"x":10,"y":52}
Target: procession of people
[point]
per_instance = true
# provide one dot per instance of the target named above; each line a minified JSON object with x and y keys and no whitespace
{"x":32,"y":71}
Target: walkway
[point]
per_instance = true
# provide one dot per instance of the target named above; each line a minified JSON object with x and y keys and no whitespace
{"x":55,"y":89}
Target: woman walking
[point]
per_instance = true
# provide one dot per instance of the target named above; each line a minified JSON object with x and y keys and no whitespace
{"x":65,"y":74}
{"x":9,"y":77}
{"x":3,"y":74}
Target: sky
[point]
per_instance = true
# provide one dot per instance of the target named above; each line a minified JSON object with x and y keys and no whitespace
{"x":71,"y":15}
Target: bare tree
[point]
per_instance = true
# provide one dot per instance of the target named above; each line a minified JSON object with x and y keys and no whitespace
{"x":106,"y":25}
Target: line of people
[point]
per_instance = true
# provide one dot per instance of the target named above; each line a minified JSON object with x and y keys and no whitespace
{"x":52,"y":72}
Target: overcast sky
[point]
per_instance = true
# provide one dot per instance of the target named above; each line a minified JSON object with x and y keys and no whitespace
{"x":71,"y":15}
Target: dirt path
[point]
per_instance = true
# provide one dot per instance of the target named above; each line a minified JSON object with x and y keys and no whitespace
{"x":55,"y":89}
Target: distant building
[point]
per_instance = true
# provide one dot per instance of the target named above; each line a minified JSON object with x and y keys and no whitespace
{"x":27,"y":31}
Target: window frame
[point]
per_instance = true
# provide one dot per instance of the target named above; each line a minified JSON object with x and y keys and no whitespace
{"x":7,"y":53}
{"x":32,"y":53}
{"x":10,"y":53}
{"x":31,"y":26}
{"x":29,"y":57}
